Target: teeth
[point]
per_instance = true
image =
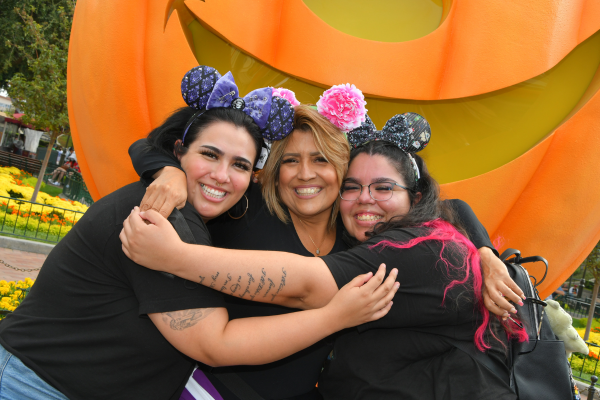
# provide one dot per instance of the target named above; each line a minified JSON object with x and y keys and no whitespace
{"x":217,"y":194}
{"x":368,"y":217}
{"x":308,"y":191}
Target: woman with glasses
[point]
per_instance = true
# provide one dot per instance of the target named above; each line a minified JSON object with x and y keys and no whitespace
{"x":296,"y":213}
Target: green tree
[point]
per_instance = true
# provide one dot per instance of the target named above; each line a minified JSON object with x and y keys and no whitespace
{"x":42,"y":93}
{"x":14,"y":34}
{"x":592,"y":264}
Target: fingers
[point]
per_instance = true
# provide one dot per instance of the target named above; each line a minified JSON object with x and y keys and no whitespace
{"x":360,"y":280}
{"x":149,"y":198}
{"x":495,"y":295}
{"x":513,"y":291}
{"x":382,"y":313}
{"x":154,"y":217}
{"x":376,"y":280}
{"x":389,"y":295}
{"x":493,"y":308}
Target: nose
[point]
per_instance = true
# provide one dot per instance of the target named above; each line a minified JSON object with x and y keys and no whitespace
{"x":306,"y":171}
{"x":365,"y":196}
{"x":220,"y":173}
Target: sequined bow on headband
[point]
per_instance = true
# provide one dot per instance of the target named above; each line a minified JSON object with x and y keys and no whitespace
{"x":409,"y":131}
{"x":203,"y":88}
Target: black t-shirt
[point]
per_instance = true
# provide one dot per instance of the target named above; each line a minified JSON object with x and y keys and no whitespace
{"x":261,"y":230}
{"x":405,"y":355}
{"x":83,"y":327}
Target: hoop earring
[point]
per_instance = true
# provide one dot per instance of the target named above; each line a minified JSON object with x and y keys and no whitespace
{"x":245,"y":211}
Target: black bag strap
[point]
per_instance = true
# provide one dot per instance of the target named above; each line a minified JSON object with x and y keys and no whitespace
{"x":481,"y":358}
{"x":237,"y":386}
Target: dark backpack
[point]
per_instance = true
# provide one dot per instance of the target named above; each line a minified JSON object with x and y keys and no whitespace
{"x":537,"y":369}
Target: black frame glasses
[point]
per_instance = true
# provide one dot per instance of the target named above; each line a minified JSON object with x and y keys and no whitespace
{"x":391,"y":192}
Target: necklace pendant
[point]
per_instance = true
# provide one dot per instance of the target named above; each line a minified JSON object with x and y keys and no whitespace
{"x":318,"y":252}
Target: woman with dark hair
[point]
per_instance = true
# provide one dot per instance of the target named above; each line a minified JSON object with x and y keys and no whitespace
{"x":391,"y":209}
{"x":97,"y":325}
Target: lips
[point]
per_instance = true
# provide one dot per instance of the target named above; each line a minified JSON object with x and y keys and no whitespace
{"x":212,"y":192}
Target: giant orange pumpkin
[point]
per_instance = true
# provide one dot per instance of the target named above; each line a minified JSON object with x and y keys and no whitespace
{"x":510,"y":89}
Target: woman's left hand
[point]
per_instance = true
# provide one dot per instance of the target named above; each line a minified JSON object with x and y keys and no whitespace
{"x":149,"y":240}
{"x":498,"y":286}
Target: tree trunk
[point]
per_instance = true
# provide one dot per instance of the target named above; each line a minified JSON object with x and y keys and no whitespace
{"x":43,"y":168}
{"x":588,"y":328}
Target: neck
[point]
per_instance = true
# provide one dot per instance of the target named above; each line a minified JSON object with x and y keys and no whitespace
{"x":319,"y":224}
{"x":314,"y":232}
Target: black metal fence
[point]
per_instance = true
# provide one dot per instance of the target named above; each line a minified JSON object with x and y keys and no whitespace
{"x":578,"y":307}
{"x":43,"y":222}
{"x":74,"y":188}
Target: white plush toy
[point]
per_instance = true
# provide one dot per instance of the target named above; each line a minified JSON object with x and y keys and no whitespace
{"x":562,"y":326}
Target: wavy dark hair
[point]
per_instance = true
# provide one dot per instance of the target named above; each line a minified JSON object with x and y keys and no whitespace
{"x":164,"y":137}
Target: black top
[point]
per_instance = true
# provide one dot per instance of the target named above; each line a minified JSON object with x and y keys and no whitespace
{"x":261,"y":230}
{"x":405,"y":355}
{"x":83,"y":327}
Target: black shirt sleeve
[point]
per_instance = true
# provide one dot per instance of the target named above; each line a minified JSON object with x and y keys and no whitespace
{"x":147,"y":161}
{"x":162,"y":292}
{"x":475,"y":230}
{"x":420,"y":298}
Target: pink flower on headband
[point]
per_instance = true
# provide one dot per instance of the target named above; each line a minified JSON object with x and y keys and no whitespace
{"x":286,"y":94}
{"x":344,"y":106}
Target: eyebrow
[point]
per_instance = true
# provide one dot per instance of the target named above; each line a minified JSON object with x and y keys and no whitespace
{"x":220,"y":153}
{"x":315,"y":153}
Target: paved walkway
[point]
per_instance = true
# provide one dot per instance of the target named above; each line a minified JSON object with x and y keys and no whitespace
{"x":19,"y":259}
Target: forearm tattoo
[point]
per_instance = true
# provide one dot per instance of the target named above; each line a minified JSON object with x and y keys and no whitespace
{"x":180,"y":320}
{"x":262,"y":285}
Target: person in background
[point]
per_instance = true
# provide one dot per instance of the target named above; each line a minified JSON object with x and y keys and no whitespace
{"x":59,"y":155}
{"x":19,"y":144}
{"x":59,"y":173}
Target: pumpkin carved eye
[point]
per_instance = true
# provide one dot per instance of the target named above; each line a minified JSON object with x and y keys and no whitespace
{"x":515,"y":128}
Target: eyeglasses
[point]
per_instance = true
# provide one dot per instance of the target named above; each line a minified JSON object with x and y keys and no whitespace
{"x":379,"y":191}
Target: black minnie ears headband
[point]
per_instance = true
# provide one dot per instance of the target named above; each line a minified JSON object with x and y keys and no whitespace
{"x":409,"y":131}
{"x":204,"y":88}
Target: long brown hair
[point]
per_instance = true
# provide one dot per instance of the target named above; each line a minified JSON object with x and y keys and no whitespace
{"x":329,"y":140}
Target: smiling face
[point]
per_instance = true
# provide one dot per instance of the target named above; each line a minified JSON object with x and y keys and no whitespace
{"x":218,"y":165}
{"x":361,"y":215}
{"x":308,"y":184}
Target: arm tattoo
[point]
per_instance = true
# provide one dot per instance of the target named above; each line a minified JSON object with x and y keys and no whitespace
{"x":180,"y":320}
{"x":226,"y":282}
{"x":236,"y":286}
{"x":214,"y":278}
{"x":201,"y":279}
{"x":271,"y":285}
{"x":261,"y":283}
{"x":250,"y":280}
{"x":281,"y":285}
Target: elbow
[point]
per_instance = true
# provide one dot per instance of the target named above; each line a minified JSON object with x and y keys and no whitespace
{"x":211,"y":358}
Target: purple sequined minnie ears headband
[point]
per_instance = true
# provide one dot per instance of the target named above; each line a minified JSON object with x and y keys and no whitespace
{"x":203,"y":88}
{"x":409,"y":131}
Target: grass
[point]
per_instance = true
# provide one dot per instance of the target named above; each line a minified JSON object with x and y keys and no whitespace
{"x":30,"y":238}
{"x":52,"y":190}
{"x":582,"y":323}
